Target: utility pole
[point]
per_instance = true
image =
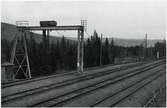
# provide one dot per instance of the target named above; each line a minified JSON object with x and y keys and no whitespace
{"x":101,"y":42}
{"x":146,"y":41}
{"x":113,"y":54}
{"x":145,"y":46}
{"x":151,"y":52}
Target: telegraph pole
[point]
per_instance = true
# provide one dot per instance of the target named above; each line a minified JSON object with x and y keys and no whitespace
{"x":113,"y":55}
{"x":101,"y":49}
{"x":146,"y":41}
{"x":146,"y":46}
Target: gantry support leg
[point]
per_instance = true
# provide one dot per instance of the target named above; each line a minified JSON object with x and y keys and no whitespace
{"x":80,"y":55}
{"x":47,"y":38}
{"x":26,"y":54}
{"x":20,"y":59}
{"x":82,"y":50}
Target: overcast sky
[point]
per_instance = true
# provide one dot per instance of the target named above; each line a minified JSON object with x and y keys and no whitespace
{"x":113,"y":19}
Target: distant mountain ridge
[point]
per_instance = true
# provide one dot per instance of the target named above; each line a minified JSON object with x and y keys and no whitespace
{"x":8,"y":32}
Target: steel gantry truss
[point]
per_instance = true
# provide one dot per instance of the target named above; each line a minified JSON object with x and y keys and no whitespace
{"x":19,"y":56}
{"x":79,"y":28}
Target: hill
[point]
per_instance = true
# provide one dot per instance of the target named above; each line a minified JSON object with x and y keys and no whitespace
{"x":133,"y":42}
{"x":8,"y":32}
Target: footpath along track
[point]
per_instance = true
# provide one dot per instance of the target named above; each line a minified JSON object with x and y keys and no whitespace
{"x":60,"y":95}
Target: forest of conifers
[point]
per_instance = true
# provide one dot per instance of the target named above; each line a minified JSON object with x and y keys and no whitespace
{"x":62,"y":55}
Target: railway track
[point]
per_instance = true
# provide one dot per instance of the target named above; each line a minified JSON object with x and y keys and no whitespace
{"x":24,"y":81}
{"x":115,"y":97}
{"x":66,"y":81}
{"x":125,"y":93}
{"x":46,"y":81}
{"x":80,"y":91}
{"x":76,"y":94}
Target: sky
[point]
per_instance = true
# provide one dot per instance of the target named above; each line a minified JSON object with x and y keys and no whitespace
{"x":118,"y":19}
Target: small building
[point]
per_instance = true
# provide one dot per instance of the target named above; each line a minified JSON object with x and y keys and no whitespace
{"x":7,"y":73}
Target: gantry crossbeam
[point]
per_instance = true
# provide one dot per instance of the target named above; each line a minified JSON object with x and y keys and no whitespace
{"x":37,"y":28}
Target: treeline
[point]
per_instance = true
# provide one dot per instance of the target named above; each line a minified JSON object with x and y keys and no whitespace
{"x":62,"y":55}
